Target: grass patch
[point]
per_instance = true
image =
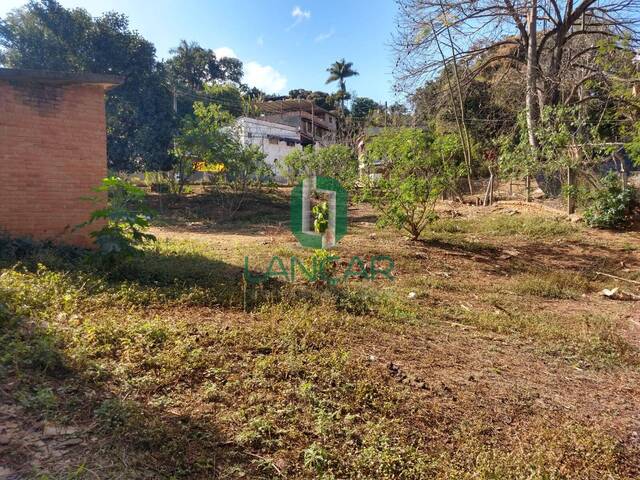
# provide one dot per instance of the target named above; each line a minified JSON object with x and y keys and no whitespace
{"x":556,"y":285}
{"x":158,"y":357}
{"x":541,"y":451}
{"x":528,"y":226}
{"x":584,"y":340}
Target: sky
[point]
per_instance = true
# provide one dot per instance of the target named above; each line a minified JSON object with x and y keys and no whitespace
{"x":284,"y":44}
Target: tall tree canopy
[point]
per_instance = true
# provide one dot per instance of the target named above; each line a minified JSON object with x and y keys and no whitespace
{"x":195,"y":66}
{"x":361,"y":107}
{"x":339,"y":71}
{"x":324,"y":100}
{"x":554,"y":46}
{"x":45,"y":35}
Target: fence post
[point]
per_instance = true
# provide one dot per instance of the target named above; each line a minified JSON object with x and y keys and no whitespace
{"x":571,"y":195}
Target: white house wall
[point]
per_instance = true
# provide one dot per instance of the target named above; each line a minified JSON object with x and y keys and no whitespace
{"x":259,"y":133}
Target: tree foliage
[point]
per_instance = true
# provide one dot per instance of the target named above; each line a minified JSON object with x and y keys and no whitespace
{"x":335,"y":161}
{"x":194,"y":66}
{"x":339,"y":71}
{"x":227,"y":96}
{"x":416,"y":170}
{"x":558,"y":53}
{"x":362,"y":107}
{"x":208,"y":137}
{"x":125,"y":219}
{"x":324,"y":100}
{"x":45,"y":35}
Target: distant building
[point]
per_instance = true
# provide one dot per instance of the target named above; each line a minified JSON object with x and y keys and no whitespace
{"x":274,"y":139}
{"x":314,"y":124}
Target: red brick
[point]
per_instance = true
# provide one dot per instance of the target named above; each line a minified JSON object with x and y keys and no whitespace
{"x":52,"y":153}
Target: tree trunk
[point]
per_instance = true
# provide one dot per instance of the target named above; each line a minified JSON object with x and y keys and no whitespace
{"x":532,"y":77}
{"x":466,"y":143}
{"x":462,"y":131}
{"x":624,"y":175}
{"x":571,"y":197}
{"x":488,"y":194}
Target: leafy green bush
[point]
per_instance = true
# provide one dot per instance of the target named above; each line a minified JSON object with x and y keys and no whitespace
{"x":415,"y":174}
{"x":611,"y":205}
{"x":158,"y":182}
{"x":210,"y":141}
{"x":320,"y":217}
{"x":335,"y":161}
{"x":126,"y":217}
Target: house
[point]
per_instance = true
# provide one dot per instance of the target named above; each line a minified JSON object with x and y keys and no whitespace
{"x":274,"y":139}
{"x":53,"y":152}
{"x":314,"y":124}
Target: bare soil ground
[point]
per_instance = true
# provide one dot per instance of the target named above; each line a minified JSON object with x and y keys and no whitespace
{"x":492,"y":353}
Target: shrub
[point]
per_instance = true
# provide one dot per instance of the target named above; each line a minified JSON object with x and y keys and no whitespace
{"x":157,"y":182}
{"x":611,"y":205}
{"x":320,"y":214}
{"x":335,"y":161}
{"x":210,"y":141}
{"x":415,"y":174}
{"x":126,"y":217}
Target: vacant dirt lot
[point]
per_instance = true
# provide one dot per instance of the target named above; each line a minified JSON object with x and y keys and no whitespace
{"x":491,"y":354}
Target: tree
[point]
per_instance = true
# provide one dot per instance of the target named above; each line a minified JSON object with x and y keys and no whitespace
{"x":194,"y":66}
{"x":203,"y":138}
{"x":335,"y":161}
{"x":208,"y":137}
{"x":554,"y":44}
{"x":323,"y":100}
{"x":300,"y":93}
{"x":339,"y":162}
{"x":243,"y":164}
{"x":363,"y":106}
{"x":252,"y":93}
{"x":230,"y":70}
{"x":45,"y":35}
{"x":339,"y":71}
{"x":416,"y":171}
{"x":297,"y":165}
{"x":227,"y":96}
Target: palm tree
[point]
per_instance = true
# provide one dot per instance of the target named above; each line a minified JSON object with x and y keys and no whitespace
{"x":340,"y":71}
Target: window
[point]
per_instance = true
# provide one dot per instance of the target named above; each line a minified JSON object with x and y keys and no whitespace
{"x":273,"y":141}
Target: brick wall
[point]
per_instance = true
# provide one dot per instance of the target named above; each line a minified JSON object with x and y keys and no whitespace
{"x":52,"y":153}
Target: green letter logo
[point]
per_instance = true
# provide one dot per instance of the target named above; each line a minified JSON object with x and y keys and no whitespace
{"x":301,"y":223}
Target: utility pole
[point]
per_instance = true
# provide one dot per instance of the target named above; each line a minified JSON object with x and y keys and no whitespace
{"x":385,"y":114}
{"x":181,"y":167}
{"x":313,"y":124}
{"x":175,"y":101}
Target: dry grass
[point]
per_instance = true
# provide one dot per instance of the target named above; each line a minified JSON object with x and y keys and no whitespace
{"x":497,"y":368}
{"x":559,"y":285}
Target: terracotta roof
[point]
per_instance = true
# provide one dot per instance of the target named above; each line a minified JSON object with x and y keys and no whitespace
{"x":290,"y":105}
